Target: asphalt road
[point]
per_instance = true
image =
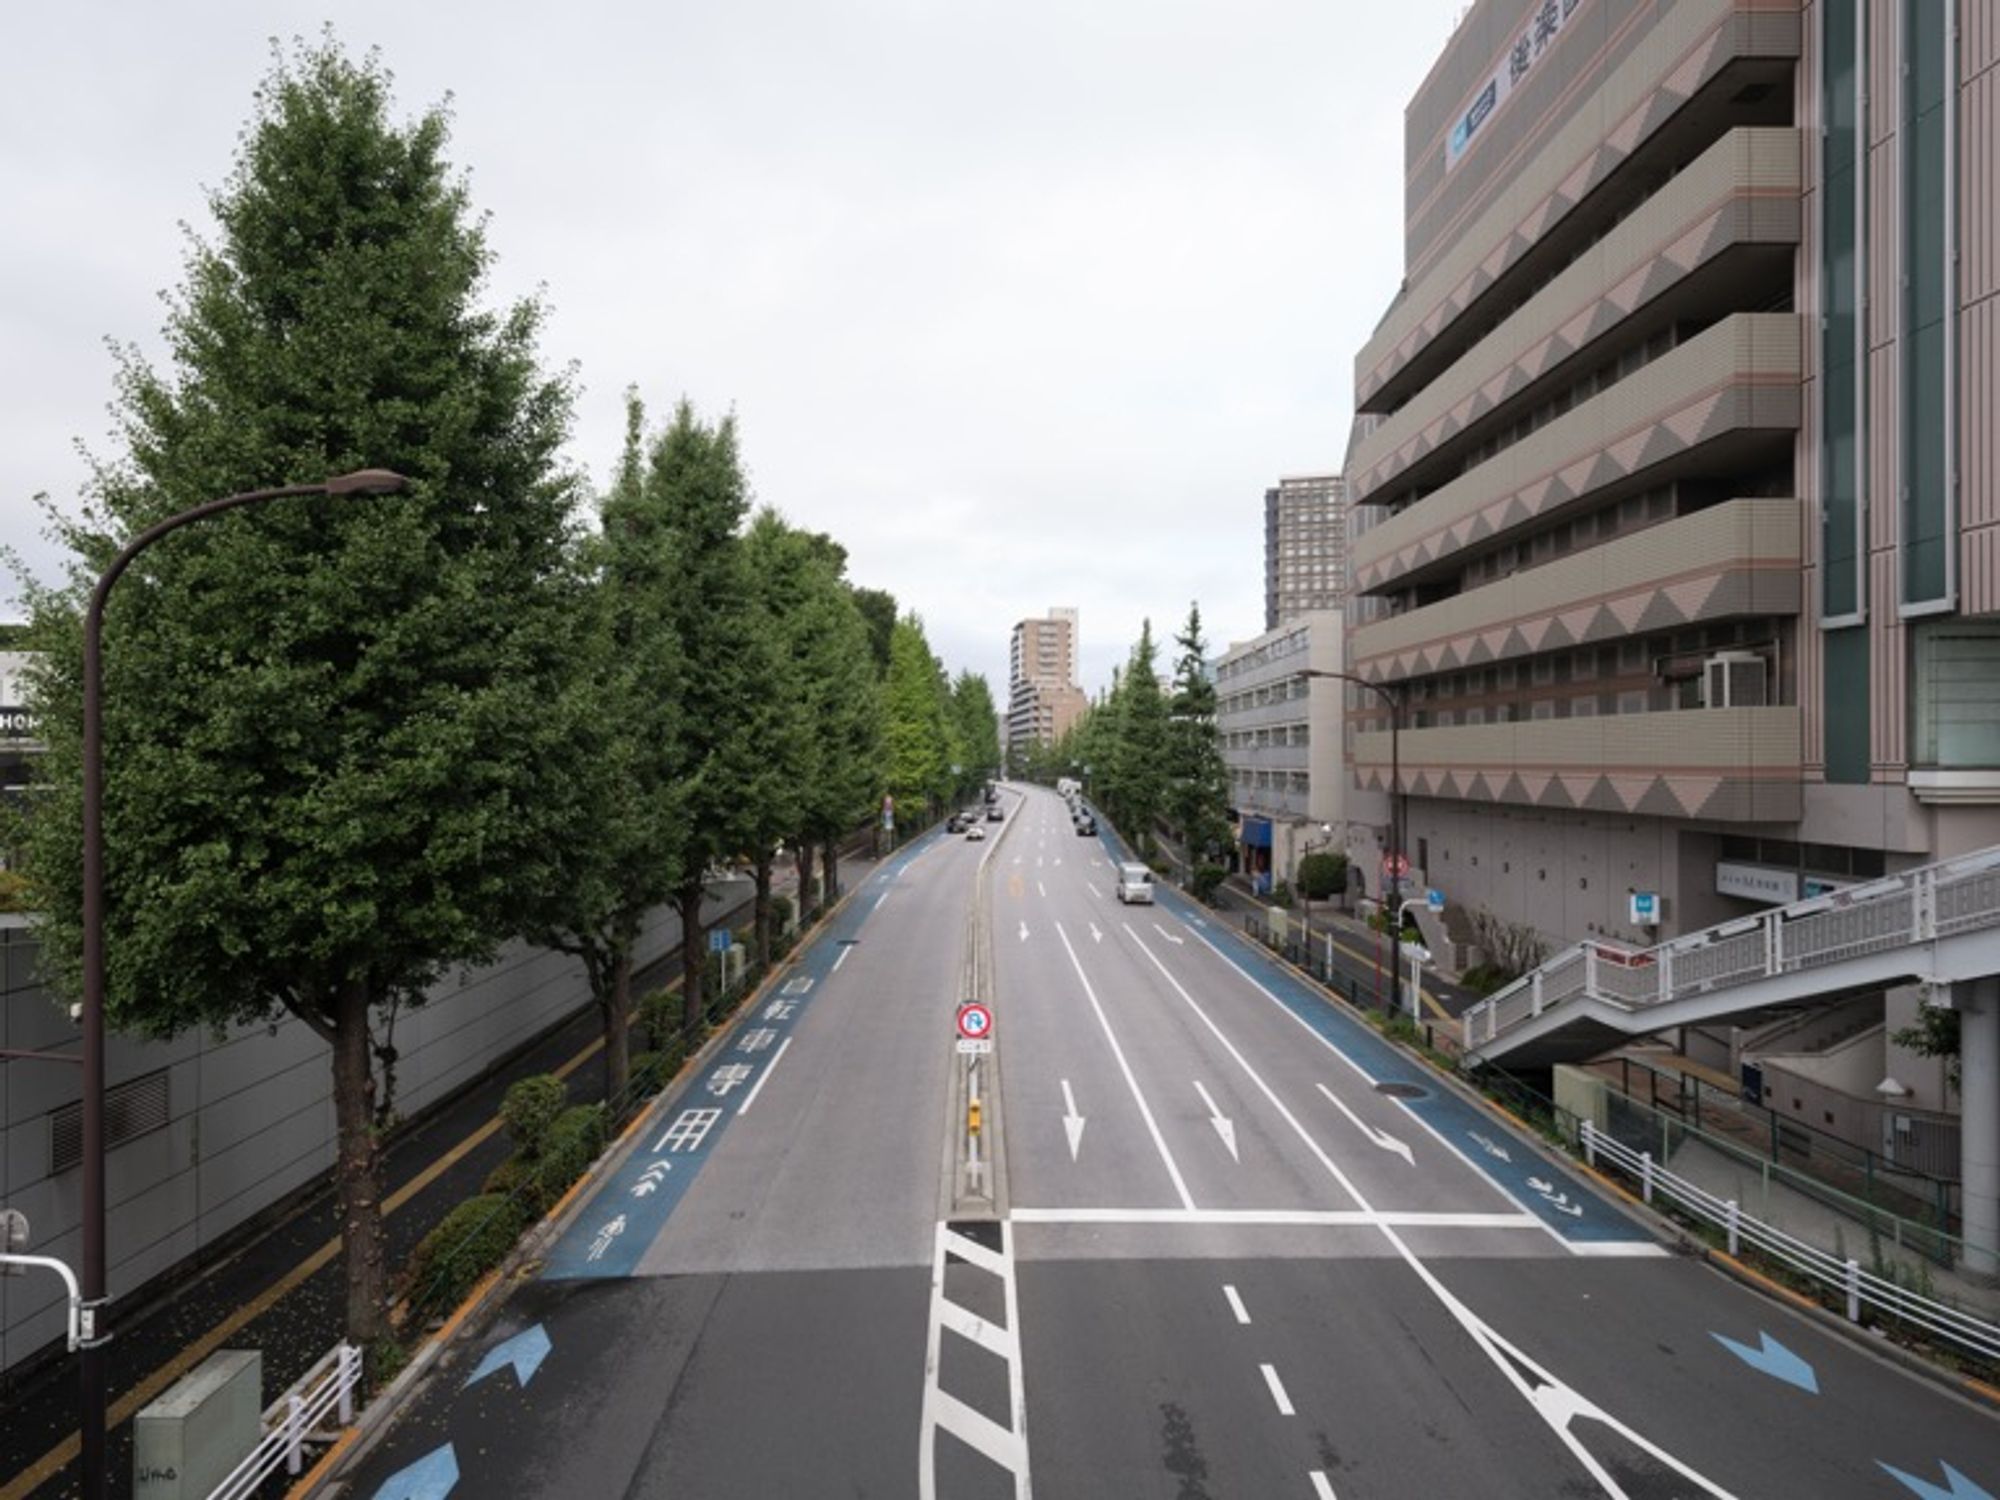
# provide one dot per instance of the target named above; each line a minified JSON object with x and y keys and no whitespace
{"x":1249,"y":1250}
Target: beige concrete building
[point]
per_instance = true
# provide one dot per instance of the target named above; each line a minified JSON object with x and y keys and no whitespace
{"x":1279,"y":728}
{"x":1305,"y":546}
{"x":1675,"y":522}
{"x":1043,"y":696}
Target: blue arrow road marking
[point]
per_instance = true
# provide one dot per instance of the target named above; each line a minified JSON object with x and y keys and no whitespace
{"x":524,"y":1351}
{"x":1455,"y":1121}
{"x":1960,"y":1488}
{"x":627,"y":1211}
{"x":431,"y":1477}
{"x":1775,"y":1360}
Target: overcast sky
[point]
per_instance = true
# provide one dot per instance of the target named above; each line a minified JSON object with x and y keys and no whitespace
{"x":1025,"y":304}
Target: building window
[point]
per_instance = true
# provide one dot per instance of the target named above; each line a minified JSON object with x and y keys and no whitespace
{"x":1957,"y":695}
{"x":1927,"y":139}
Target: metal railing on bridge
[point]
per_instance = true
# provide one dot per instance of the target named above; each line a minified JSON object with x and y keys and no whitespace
{"x":1918,"y":906}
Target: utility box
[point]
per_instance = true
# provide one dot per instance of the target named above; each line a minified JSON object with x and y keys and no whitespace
{"x":188,"y":1441}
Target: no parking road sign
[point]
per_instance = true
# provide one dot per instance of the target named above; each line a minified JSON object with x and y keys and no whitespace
{"x":975,"y":1022}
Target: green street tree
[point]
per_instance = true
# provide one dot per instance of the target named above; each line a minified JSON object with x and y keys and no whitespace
{"x":843,"y":699}
{"x":1142,"y":743}
{"x":696,"y":478}
{"x":1197,"y":792}
{"x":620,"y":853}
{"x":978,"y":730}
{"x":916,"y":727}
{"x":328,"y":741}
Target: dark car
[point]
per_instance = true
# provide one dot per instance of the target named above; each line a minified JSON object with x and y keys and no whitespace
{"x":1086,"y":824}
{"x":993,"y":813}
{"x":955,"y":823}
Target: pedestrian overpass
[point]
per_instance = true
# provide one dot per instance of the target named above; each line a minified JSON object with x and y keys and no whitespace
{"x":1938,"y":925}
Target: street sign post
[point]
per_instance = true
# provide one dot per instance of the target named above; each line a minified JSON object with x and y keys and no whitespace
{"x":975,"y":1022}
{"x":719,"y":939}
{"x":1434,"y":898}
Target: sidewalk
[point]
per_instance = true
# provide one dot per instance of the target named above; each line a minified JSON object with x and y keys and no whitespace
{"x":281,"y":1292}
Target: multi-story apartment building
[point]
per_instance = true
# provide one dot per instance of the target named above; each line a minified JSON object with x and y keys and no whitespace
{"x":1043,"y":697}
{"x":1279,"y":727}
{"x":1676,"y":523}
{"x":1305,"y":546}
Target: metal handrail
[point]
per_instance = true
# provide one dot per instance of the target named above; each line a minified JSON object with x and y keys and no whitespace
{"x":1858,"y":1288}
{"x":1946,"y":899}
{"x":293,"y":1420}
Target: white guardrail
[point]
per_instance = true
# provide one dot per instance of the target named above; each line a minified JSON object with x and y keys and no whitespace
{"x":294,"y":1419}
{"x":1858,"y":1287}
{"x":1917,"y":906}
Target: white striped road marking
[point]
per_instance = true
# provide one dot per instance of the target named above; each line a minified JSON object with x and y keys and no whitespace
{"x":1006,"y":1446}
{"x":845,"y":949}
{"x":1278,"y":1391}
{"x":1224,"y":1126}
{"x":1559,"y":1406}
{"x":1322,"y":1487}
{"x":1279,"y":1218}
{"x":1236,"y":1304}
{"x":1041,"y":889}
{"x":1145,"y":1111}
{"x":758,"y":1087}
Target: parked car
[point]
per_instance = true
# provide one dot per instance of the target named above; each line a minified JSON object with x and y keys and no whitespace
{"x":975,"y":832}
{"x":1135,"y":884}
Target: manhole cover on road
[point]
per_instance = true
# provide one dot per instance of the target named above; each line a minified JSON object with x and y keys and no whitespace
{"x":1403,"y":1090}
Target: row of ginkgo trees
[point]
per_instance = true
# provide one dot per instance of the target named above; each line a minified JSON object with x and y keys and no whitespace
{"x":351,"y":743}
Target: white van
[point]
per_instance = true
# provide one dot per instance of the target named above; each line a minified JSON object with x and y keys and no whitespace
{"x":1135,"y":884}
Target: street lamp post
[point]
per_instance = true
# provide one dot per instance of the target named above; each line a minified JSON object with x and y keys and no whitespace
{"x":90,"y":1357}
{"x":1396,"y":813}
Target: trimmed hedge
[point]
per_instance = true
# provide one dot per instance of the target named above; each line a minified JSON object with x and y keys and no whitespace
{"x":472,"y":1239}
{"x":573,"y":1143}
{"x":530,"y":1109}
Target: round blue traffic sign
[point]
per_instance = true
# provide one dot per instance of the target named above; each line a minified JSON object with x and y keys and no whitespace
{"x":974,"y":1021}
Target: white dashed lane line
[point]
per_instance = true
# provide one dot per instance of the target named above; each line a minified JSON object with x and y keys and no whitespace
{"x":1236,"y":1304}
{"x":1322,"y":1487}
{"x":1278,"y":1391}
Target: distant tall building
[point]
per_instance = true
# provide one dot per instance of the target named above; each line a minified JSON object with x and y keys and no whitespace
{"x":1305,"y":546}
{"x":1043,"y":696}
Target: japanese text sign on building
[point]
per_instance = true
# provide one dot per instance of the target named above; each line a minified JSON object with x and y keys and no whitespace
{"x":1538,"y":33}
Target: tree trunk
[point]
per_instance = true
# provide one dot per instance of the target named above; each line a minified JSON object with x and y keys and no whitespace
{"x":687,"y":901}
{"x":617,"y":1009}
{"x":358,"y":1170}
{"x":805,"y":861}
{"x":829,"y":858}
{"x":760,"y":910}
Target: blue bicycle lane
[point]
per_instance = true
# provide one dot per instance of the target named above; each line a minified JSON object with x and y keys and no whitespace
{"x":629,"y":1210}
{"x":1586,"y":1222}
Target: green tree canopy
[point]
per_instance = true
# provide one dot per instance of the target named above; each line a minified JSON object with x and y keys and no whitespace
{"x":1197,"y":791}
{"x":916,"y":724}
{"x":328,"y":736}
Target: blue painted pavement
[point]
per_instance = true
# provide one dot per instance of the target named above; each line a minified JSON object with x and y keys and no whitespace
{"x":629,"y":1209}
{"x":524,"y":1351}
{"x":1773,"y":1359}
{"x":431,"y":1477}
{"x":1580,"y":1218}
{"x":1955,"y":1487}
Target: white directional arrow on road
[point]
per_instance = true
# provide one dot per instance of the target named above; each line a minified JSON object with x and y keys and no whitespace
{"x":1072,"y":1121}
{"x":1095,"y":935}
{"x":1024,"y":932}
{"x":1381,"y":1138}
{"x":1177,"y":942}
{"x":1224,"y":1126}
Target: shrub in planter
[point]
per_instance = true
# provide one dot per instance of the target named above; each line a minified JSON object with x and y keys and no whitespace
{"x":659,"y":1011}
{"x":574,"y":1141}
{"x":1281,"y":893}
{"x":1207,"y":880}
{"x":530,"y":1110}
{"x":449,"y":1261}
{"x":781,"y":914}
{"x":517,"y":1179}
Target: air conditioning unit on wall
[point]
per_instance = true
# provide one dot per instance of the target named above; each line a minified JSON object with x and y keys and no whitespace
{"x":1734,"y":679}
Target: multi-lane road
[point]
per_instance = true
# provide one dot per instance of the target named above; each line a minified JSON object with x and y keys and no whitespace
{"x":1242,"y":1248}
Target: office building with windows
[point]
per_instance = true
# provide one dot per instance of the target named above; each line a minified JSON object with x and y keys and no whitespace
{"x":1675,"y":516}
{"x":1043,"y":697}
{"x":1305,"y":546}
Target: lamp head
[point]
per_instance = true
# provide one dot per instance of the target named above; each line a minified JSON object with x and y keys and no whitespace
{"x":367,"y":482}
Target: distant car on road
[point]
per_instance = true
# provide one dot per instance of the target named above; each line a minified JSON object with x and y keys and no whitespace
{"x":993,"y":814}
{"x":1086,"y":825}
{"x":975,"y":832}
{"x":1135,"y":884}
{"x":955,"y":823}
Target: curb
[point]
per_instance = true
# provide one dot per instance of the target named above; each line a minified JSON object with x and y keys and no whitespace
{"x":374,"y":1420}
